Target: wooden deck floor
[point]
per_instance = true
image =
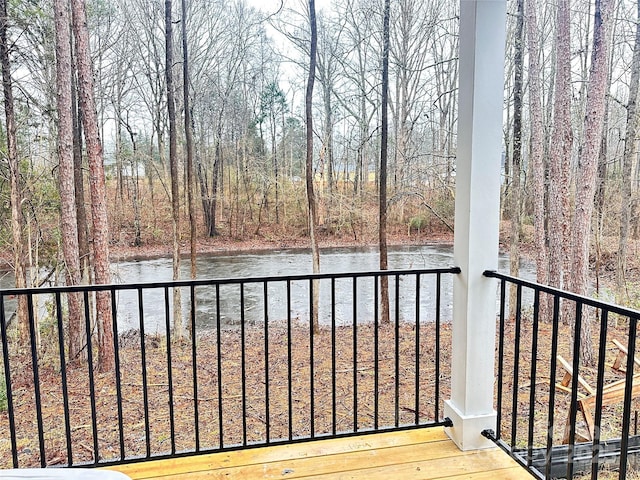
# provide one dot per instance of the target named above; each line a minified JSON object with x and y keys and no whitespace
{"x":414,"y":454}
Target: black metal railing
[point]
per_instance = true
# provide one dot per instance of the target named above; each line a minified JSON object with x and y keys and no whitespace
{"x":252,"y":371}
{"x":557,"y":416}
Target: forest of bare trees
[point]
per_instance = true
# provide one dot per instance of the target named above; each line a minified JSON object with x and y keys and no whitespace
{"x":160,"y":122}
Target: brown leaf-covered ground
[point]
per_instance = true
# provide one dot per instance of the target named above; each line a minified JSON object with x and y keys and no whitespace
{"x":209,"y":402}
{"x":163,"y":416}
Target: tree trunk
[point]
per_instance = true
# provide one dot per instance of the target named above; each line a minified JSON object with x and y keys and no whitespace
{"x":515,"y":216}
{"x":173,"y":168}
{"x":384,"y":139}
{"x":215,"y":185}
{"x":188,"y":134}
{"x":630,"y":154}
{"x":560,"y":153}
{"x":276,"y":173}
{"x":601,"y":183}
{"x":537,"y":153}
{"x":83,"y":227}
{"x":328,"y":136}
{"x":588,"y":165}
{"x":17,"y":218}
{"x":311,"y":198}
{"x":137,"y":220}
{"x":66,"y":178}
{"x":106,"y":353}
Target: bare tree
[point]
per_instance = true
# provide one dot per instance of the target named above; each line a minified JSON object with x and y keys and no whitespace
{"x":410,"y":36}
{"x":230,"y":64}
{"x":327,"y":71}
{"x":273,"y":106}
{"x":17,"y":218}
{"x":444,"y":49}
{"x":173,"y":168}
{"x":106,"y":353}
{"x":188,"y":134}
{"x":588,"y":165}
{"x":311,"y":197}
{"x":147,"y":18}
{"x":66,"y":177}
{"x":537,"y":150}
{"x":516,"y":159}
{"x":84,"y":249}
{"x":630,"y":153}
{"x":384,"y":140}
{"x":358,"y":70}
{"x":560,"y":152}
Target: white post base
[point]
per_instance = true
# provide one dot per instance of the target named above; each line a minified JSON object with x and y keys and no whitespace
{"x":466,"y":432}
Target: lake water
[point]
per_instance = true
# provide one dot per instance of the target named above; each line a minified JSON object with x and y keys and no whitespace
{"x":226,"y":301}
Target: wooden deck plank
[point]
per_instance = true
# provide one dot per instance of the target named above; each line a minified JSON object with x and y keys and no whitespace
{"x":416,"y":454}
{"x":454,"y":467}
{"x":324,"y":465}
{"x":144,"y":470}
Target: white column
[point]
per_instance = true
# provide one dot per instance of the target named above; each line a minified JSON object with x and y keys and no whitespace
{"x":481,"y":90}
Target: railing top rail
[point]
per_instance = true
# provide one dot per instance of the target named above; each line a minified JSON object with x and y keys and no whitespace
{"x":592,"y":302}
{"x":224,"y":281}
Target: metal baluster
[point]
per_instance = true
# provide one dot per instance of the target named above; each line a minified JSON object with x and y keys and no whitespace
{"x":416,"y":394}
{"x":266,"y":363}
{"x":9,"y":389}
{"x":597,"y":422}
{"x":194,"y":369}
{"x":312,"y":423}
{"x":573,"y":409}
{"x":552,"y":384}
{"x":289,"y":362}
{"x":63,"y":376}
{"x":116,"y":351}
{"x":333,"y":358}
{"x":36,"y":380}
{"x":219,"y":367}
{"x":397,"y":352}
{"x":516,"y":369}
{"x":167,"y":319}
{"x":628,"y":397}
{"x":355,"y":353}
{"x":243,"y":347}
{"x":145,"y":383}
{"x":376,"y":351}
{"x":534,"y":369}
{"x":92,"y":391}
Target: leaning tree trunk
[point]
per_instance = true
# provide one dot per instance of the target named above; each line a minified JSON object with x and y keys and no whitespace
{"x":106,"y":352}
{"x":173,"y":168}
{"x":66,"y":179}
{"x":311,"y":198}
{"x":17,"y":219}
{"x":384,"y":139}
{"x":588,"y":166}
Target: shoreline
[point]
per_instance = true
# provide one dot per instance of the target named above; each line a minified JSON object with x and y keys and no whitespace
{"x":226,"y":246}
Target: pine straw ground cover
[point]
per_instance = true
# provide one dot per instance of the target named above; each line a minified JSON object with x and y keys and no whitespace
{"x":159,"y":416}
